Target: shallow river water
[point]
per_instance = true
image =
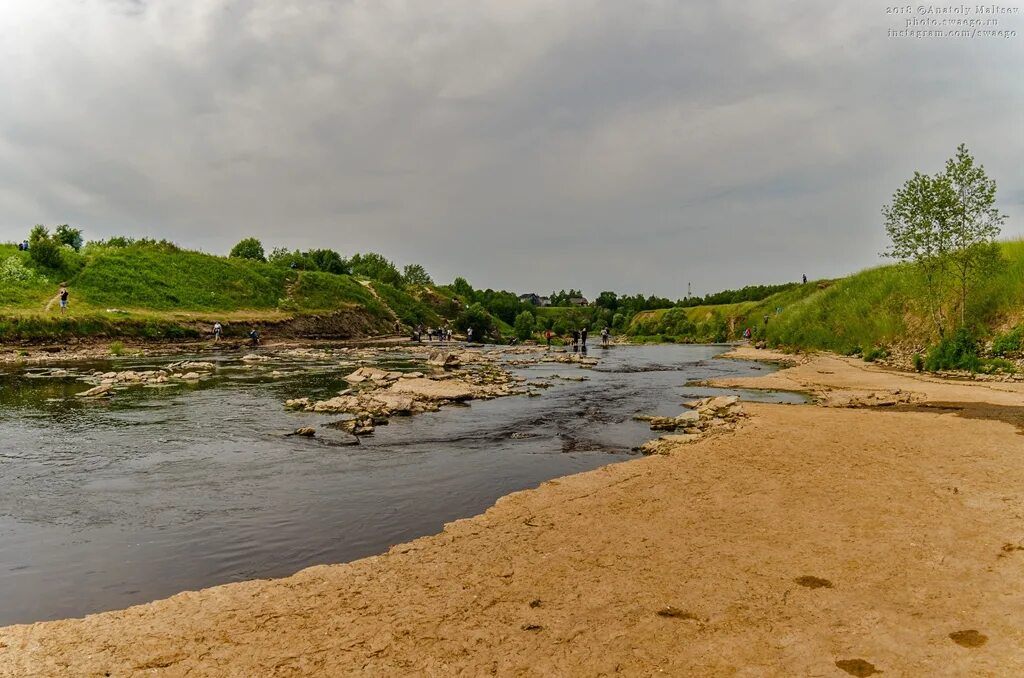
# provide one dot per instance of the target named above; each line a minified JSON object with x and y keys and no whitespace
{"x":107,"y":504}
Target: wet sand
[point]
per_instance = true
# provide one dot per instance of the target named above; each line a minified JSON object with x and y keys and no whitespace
{"x":811,"y":541}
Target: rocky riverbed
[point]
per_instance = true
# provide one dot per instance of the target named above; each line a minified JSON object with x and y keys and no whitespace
{"x":852,"y":540}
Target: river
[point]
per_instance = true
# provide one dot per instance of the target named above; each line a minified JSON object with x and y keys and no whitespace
{"x":112,"y":503}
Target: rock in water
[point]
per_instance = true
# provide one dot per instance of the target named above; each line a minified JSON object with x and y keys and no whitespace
{"x":95,"y":391}
{"x":305,"y":431}
{"x":443,"y":359}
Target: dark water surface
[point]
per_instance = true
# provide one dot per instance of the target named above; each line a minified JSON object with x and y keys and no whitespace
{"x":108,"y":504}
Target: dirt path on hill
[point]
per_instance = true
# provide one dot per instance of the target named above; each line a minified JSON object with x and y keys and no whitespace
{"x":817,"y":541}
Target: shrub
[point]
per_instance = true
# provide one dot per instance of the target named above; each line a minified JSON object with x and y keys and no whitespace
{"x":875,"y":353}
{"x":327,"y":261}
{"x":1010,"y":343}
{"x":249,"y":248}
{"x":116,"y":348}
{"x":44,"y":249}
{"x":376,"y":267}
{"x":956,"y":352}
{"x":72,"y":237}
{"x":998,"y":365}
{"x":13,"y":270}
{"x":918,"y":362}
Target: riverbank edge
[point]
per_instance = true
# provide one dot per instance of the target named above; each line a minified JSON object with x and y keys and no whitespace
{"x":35,"y":638}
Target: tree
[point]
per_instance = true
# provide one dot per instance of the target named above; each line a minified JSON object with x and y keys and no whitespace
{"x":72,"y":237}
{"x":44,"y":249}
{"x":462,"y":288}
{"x":286,"y":258}
{"x":524,"y":325}
{"x":946,"y":226}
{"x":477,"y":317}
{"x":974,"y":225}
{"x":376,"y":267}
{"x":327,"y":261}
{"x":249,"y":248}
{"x":608,"y":300}
{"x":414,"y":274}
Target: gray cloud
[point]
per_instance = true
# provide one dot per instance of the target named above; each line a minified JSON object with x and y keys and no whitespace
{"x":529,"y":145}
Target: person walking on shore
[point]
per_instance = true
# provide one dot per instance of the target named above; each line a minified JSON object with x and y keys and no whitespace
{"x":547,"y":335}
{"x":217,"y":331}
{"x":605,"y":336}
{"x":62,"y":295}
{"x":583,"y":338}
{"x":575,"y":340}
{"x":254,"y":337}
{"x":469,"y":335}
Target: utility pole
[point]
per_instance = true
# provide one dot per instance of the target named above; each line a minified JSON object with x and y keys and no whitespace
{"x":687,"y":290}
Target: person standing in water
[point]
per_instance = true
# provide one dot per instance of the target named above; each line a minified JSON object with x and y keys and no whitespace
{"x":62,"y":295}
{"x":605,"y":336}
{"x":583,"y":338}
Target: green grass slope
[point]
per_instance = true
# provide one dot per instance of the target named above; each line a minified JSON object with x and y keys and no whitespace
{"x":881,"y":307}
{"x":878,"y":307}
{"x":717,"y":322}
{"x":154,"y":290}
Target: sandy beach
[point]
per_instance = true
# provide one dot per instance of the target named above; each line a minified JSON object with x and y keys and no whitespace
{"x":877,"y":531}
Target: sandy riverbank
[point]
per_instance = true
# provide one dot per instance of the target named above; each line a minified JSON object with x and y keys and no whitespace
{"x":811,"y":541}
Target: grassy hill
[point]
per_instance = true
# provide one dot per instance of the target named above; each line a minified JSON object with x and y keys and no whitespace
{"x":718,"y":322}
{"x":869,"y":312}
{"x":881,"y":307}
{"x":158,"y":291}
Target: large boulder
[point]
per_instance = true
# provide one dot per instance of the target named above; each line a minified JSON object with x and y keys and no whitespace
{"x":443,"y":359}
{"x":395,"y":403}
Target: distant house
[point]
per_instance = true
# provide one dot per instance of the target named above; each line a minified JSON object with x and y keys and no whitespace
{"x":579,"y":301}
{"x":531,"y":298}
{"x":545,"y":301}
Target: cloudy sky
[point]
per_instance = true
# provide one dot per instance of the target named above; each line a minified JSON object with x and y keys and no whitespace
{"x":523,"y":144}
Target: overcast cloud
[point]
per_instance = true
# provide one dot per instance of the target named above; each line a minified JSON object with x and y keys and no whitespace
{"x":524,"y":144}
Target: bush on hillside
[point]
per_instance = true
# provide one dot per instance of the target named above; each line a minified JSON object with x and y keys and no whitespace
{"x":72,"y":237}
{"x":13,"y":270}
{"x":875,"y":353}
{"x":997,"y":365}
{"x":376,"y":267}
{"x":955,"y":352}
{"x":44,"y":249}
{"x":415,"y":274}
{"x":248,"y":248}
{"x":327,"y":261}
{"x":1010,"y":343}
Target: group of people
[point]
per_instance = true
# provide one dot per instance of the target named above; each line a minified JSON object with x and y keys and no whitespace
{"x":578,"y":338}
{"x":23,"y":246}
{"x":442,"y":334}
{"x":218,"y":334}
